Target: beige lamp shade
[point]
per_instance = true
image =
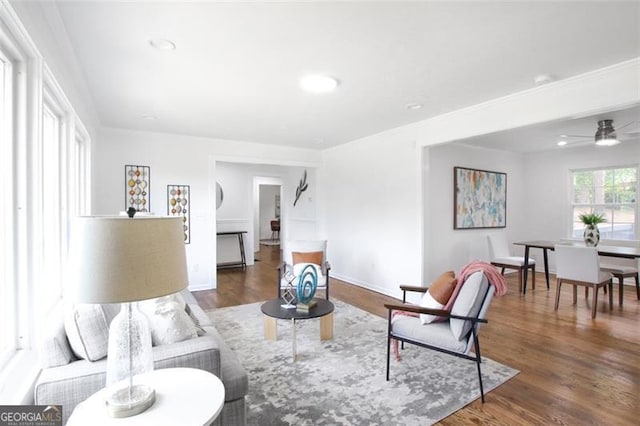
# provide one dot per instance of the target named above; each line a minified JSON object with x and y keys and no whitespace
{"x":122,"y":259}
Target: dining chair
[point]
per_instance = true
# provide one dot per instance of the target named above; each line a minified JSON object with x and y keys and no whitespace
{"x":622,"y":268}
{"x":580,"y":266}
{"x":501,"y":257}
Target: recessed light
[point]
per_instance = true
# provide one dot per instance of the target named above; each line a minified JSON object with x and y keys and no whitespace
{"x":414,"y":106}
{"x":317,"y":83}
{"x":162,"y":44}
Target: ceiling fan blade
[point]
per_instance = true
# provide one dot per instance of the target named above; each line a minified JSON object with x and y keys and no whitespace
{"x":577,"y":142}
{"x":626,"y":125}
{"x":577,"y":136}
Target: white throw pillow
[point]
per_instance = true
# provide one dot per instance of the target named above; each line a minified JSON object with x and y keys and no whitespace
{"x":168,"y":320}
{"x":468,"y":303}
{"x":87,"y":328}
{"x":429,"y":302}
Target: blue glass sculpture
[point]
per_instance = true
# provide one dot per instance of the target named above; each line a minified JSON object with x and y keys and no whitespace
{"x":307,"y":284}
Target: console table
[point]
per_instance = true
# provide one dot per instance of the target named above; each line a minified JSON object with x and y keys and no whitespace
{"x":243,"y":257}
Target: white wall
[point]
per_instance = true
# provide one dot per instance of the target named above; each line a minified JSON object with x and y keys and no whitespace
{"x":449,"y":249}
{"x":370,"y":204}
{"x":178,"y":159}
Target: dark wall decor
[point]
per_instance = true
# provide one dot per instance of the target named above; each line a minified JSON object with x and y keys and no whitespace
{"x":480,"y":199}
{"x":301,"y":187}
{"x":179,"y":205}
{"x":137,"y":187}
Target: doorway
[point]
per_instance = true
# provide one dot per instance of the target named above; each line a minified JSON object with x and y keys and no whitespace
{"x":267,"y":212}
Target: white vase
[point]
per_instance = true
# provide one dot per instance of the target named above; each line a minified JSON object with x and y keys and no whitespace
{"x":591,"y":235}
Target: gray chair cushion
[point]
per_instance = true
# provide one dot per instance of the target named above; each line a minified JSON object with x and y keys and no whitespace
{"x":435,"y":334}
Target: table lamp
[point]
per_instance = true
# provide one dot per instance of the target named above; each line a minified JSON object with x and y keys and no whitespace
{"x":124,"y":260}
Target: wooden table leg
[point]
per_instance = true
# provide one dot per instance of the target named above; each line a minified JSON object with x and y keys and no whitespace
{"x":326,"y":327}
{"x":270,"y":328}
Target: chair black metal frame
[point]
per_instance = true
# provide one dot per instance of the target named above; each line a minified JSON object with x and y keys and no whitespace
{"x":473,"y":333}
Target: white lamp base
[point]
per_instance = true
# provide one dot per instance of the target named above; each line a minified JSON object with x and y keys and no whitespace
{"x":127,"y":402}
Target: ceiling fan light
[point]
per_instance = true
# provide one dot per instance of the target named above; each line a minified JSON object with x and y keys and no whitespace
{"x":606,"y":134}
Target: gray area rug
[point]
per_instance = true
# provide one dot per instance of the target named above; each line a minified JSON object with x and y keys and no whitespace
{"x":342,"y":381}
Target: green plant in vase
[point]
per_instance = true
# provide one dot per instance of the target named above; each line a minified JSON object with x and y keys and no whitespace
{"x":591,"y":232}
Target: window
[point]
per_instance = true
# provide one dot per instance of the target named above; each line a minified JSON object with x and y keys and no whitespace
{"x":612,"y":192}
{"x":7,"y":313}
{"x":44,"y":167}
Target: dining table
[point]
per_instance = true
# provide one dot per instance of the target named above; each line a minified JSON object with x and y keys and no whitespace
{"x":545,"y":245}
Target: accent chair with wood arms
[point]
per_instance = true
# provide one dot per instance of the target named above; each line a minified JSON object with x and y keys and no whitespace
{"x":502,"y":258}
{"x":296,"y":255}
{"x":580,"y":266}
{"x":454,"y":333}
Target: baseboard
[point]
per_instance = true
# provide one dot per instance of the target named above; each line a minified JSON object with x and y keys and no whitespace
{"x":366,"y":285}
{"x":200,"y":287}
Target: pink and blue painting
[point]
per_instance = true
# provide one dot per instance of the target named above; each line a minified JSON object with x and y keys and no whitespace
{"x":480,"y":199}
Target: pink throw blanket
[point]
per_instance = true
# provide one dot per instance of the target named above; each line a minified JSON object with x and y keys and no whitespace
{"x":492,"y":274}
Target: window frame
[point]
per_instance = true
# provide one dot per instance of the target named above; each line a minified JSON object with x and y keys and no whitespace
{"x":604,"y":206}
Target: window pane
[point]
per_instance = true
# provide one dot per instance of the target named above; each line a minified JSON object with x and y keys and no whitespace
{"x":50,"y":293}
{"x":611,"y":192}
{"x":583,"y":187}
{"x":7,"y":307}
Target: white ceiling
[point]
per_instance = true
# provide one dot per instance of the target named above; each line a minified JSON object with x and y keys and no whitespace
{"x":235,"y":71}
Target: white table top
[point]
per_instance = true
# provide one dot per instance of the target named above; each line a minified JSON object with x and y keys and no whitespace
{"x":184,"y":396}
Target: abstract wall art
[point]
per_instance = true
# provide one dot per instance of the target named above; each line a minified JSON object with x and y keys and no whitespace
{"x":137,"y":187}
{"x":480,"y":199}
{"x":179,"y":205}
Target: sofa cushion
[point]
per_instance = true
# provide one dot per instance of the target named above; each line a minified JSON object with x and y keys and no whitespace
{"x":55,"y":349}
{"x":87,"y":328}
{"x":468,"y":303}
{"x":168,"y":320}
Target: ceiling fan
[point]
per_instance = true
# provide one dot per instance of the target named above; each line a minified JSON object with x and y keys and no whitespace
{"x":606,"y":135}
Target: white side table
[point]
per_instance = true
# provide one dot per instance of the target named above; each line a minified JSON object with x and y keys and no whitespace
{"x":184,"y":396}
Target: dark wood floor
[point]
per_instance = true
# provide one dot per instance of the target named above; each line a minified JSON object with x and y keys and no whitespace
{"x":573,"y":370}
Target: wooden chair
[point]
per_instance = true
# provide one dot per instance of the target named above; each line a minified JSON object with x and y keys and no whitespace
{"x":297,"y":254}
{"x":622,"y":268}
{"x":443,"y":336}
{"x":275,"y":230}
{"x":580,"y":266}
{"x":501,"y":257}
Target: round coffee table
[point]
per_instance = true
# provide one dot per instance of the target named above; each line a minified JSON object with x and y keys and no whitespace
{"x":273,"y":311}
